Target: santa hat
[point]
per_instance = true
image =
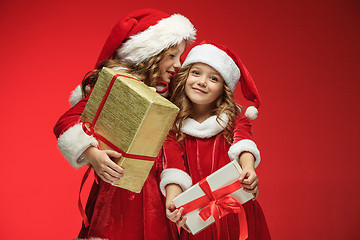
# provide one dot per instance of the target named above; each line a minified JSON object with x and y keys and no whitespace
{"x":142,"y":34}
{"x":229,"y":65}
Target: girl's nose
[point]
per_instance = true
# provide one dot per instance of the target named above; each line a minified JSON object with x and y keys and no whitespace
{"x":177,"y":63}
{"x":202,"y":82}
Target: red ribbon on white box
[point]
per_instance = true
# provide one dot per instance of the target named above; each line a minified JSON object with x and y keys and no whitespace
{"x":218,"y":204}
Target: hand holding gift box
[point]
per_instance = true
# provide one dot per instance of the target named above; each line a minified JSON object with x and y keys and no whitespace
{"x":127,"y":116}
{"x":214,"y":197}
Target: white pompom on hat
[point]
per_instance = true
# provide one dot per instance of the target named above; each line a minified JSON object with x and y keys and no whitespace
{"x":144,"y":33}
{"x":229,"y":65}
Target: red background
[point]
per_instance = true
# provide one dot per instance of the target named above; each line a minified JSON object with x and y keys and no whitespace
{"x":303,"y":55}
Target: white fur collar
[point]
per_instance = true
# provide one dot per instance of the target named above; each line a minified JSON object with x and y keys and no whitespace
{"x":210,"y":127}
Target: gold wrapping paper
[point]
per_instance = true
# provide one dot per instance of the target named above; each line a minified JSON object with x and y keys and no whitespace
{"x":135,"y":119}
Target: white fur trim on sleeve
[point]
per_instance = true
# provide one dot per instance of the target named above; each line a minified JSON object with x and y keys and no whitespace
{"x":174,"y":175}
{"x":73,"y":142}
{"x":244,"y":145}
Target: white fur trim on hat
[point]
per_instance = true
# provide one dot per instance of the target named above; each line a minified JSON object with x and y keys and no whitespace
{"x":210,"y":127}
{"x":245,"y":145}
{"x":251,"y":113}
{"x":218,"y":59}
{"x":73,"y":142}
{"x":174,"y":176}
{"x":166,"y":33}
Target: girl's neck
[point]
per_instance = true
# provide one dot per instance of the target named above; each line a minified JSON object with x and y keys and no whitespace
{"x":200,"y":112}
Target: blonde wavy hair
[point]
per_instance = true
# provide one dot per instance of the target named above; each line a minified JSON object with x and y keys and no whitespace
{"x":224,"y":104}
{"x":147,"y":72}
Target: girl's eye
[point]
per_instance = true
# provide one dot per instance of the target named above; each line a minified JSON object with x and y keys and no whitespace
{"x":214,"y":79}
{"x":196,"y":72}
{"x":172,"y":56}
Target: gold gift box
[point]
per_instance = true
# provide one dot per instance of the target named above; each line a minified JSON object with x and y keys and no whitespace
{"x":134,"y":118}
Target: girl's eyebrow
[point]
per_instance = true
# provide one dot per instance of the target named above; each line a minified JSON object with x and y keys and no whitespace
{"x":214,"y":72}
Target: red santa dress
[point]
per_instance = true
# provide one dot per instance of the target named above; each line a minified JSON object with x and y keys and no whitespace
{"x":115,"y":213}
{"x":203,"y":151}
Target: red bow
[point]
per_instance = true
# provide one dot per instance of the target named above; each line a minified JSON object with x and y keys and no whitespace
{"x":221,"y":206}
{"x":218,"y":204}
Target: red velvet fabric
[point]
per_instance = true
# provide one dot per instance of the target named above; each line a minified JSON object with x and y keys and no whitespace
{"x":115,"y":213}
{"x":201,"y":157}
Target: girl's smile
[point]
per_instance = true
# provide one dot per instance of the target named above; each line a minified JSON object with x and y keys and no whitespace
{"x":169,"y":66}
{"x":203,"y":85}
{"x":199,"y":90}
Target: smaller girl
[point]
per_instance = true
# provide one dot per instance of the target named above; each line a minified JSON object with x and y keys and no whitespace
{"x":209,"y":133}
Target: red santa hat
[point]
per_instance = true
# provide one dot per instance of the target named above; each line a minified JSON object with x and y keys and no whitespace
{"x":141,"y":35}
{"x":229,"y":65}
{"x":144,"y":33}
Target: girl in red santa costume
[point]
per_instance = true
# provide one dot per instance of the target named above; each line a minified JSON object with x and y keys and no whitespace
{"x":147,"y":44}
{"x":209,"y":132}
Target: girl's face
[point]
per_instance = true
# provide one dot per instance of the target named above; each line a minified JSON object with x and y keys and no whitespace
{"x":169,"y":66}
{"x":203,"y":85}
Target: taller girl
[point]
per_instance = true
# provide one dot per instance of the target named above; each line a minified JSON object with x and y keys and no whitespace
{"x":148,"y":44}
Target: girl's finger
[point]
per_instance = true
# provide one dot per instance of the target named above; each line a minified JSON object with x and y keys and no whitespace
{"x":251,"y":186}
{"x":256,"y":194}
{"x":186,"y":228}
{"x":109,"y":178}
{"x":114,"y":173}
{"x":113,"y":154}
{"x":104,"y":178}
{"x":242,"y":175}
{"x":181,"y":222}
{"x":250,"y":178}
{"x":251,"y":190}
{"x":115,"y":167}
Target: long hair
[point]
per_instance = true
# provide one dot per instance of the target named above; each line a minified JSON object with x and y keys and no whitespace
{"x":148,"y":72}
{"x":224,"y":104}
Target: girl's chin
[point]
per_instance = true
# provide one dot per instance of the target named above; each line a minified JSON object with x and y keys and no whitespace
{"x":166,"y":79}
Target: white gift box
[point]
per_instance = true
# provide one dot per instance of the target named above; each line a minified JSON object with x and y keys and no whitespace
{"x":224,"y":176}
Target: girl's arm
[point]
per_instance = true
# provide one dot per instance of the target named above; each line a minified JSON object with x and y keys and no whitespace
{"x":72,"y":140}
{"x":248,"y":177}
{"x":81,"y":149}
{"x":174,"y":178}
{"x":245,"y":151}
{"x":172,"y":191}
{"x":174,"y":166}
{"x":243,"y":141}
{"x":173,"y":214}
